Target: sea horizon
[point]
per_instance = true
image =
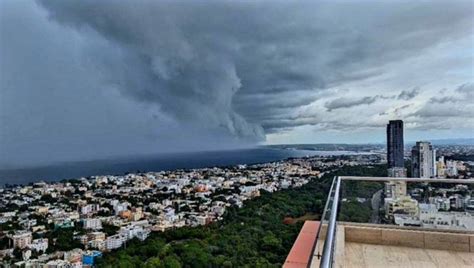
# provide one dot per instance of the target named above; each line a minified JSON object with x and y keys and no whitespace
{"x":153,"y":163}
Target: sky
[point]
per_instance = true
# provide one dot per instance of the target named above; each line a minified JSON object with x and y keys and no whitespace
{"x":81,"y":80}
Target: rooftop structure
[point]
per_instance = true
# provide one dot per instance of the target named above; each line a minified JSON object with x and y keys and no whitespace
{"x":345,"y":244}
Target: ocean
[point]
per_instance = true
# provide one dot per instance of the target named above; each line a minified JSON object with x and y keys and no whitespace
{"x":169,"y":161}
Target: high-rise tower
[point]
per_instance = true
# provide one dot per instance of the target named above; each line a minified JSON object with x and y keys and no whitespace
{"x":422,"y":160}
{"x":395,"y":144}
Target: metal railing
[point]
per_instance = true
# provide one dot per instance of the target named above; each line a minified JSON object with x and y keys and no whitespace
{"x":329,"y":243}
{"x":315,"y":253}
{"x":327,"y":256}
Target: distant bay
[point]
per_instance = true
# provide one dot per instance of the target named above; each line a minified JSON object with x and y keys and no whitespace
{"x":169,"y":161}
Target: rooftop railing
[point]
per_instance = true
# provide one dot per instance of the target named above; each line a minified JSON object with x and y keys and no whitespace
{"x":330,"y":213}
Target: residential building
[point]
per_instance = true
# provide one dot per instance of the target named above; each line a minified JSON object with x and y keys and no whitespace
{"x":96,"y":236}
{"x":89,"y":208}
{"x":92,"y":223}
{"x":21,"y":239}
{"x":89,"y":257}
{"x":422,"y":160}
{"x":430,"y":217}
{"x":115,"y":241}
{"x":441,"y":167}
{"x":451,"y":168}
{"x":401,"y":205}
{"x":39,"y":245}
{"x":395,"y":190}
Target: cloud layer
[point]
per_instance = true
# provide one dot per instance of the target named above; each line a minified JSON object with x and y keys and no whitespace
{"x":150,"y":76}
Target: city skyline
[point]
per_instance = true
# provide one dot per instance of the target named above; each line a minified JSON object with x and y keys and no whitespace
{"x":84,"y":81}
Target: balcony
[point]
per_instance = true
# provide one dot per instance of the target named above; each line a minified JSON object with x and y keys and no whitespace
{"x":332,"y":243}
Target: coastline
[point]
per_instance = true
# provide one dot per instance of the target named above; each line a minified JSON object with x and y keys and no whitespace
{"x":154,"y":163}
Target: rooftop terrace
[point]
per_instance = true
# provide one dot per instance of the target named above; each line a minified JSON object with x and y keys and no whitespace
{"x":331,"y":243}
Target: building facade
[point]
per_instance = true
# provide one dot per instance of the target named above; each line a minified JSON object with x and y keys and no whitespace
{"x":395,"y":144}
{"x":39,"y":245}
{"x":423,"y":160}
{"x":22,"y":239}
{"x":92,"y":223}
{"x":402,"y":205}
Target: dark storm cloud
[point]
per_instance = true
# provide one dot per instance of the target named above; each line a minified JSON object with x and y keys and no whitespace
{"x":408,"y":95}
{"x":156,"y":75}
{"x":344,"y":102}
{"x":223,"y":60}
{"x":348,"y":102}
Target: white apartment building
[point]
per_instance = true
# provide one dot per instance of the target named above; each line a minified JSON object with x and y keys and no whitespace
{"x":119,"y":207}
{"x":22,"y":239}
{"x":89,"y":208}
{"x":423,"y":159}
{"x":202,"y":219}
{"x":98,"y":244}
{"x":451,"y":168}
{"x":92,"y":223}
{"x":134,"y":231}
{"x":40,"y":244}
{"x":115,"y":241}
{"x":441,"y":203}
{"x":430,"y":217}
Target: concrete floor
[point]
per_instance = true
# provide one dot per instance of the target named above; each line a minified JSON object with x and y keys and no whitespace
{"x":368,"y":255}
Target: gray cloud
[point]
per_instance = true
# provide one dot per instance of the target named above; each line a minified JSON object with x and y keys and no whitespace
{"x":445,"y":99}
{"x":398,"y":110}
{"x":447,"y":112}
{"x":408,"y":95}
{"x":344,"y":102}
{"x":348,"y":102}
{"x":444,"y":112}
{"x":151,"y":76}
{"x":465,"y":94}
{"x":466,"y":90}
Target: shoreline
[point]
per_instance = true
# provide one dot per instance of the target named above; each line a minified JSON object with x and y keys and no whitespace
{"x":157,"y":163}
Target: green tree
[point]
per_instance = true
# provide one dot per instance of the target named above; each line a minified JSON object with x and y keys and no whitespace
{"x":172,"y":262}
{"x":252,"y":236}
{"x":154,"y":263}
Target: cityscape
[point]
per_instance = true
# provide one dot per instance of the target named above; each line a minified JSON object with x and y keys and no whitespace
{"x":427,"y":206}
{"x":253,"y":134}
{"x":95,"y":215}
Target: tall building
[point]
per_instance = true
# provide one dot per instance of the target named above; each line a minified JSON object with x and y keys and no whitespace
{"x":395,"y":156}
{"x":395,"y":144}
{"x":422,"y":160}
